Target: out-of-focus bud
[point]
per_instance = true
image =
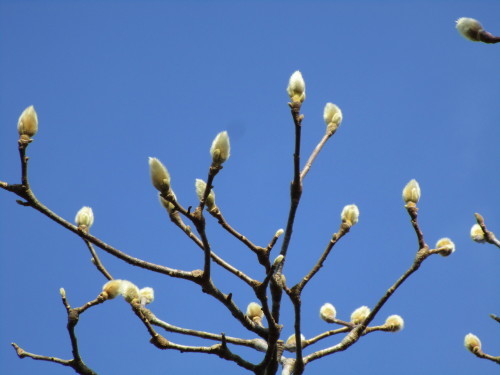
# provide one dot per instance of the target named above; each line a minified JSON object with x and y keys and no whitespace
{"x":201,"y":186}
{"x":168,"y":206}
{"x":129,"y":291}
{"x":332,"y":116}
{"x":62,"y":292}
{"x":328,"y":312}
{"x":84,"y":217}
{"x":112,"y":288}
{"x":279,"y":232}
{"x":254,"y":312}
{"x":477,"y":234}
{"x":411,"y":192}
{"x":350,"y":214}
{"x":469,"y":28}
{"x":28,"y":122}
{"x":146,"y":295}
{"x":296,"y":87}
{"x":278,"y":260}
{"x":446,"y":245}
{"x":291,"y":342}
{"x":220,"y":149}
{"x":472,"y":343}
{"x":360,"y":314}
{"x":159,"y":175}
{"x":394,"y":323}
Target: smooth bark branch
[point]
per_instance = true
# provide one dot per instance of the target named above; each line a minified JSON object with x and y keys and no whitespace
{"x":315,"y":153}
{"x":97,"y":262}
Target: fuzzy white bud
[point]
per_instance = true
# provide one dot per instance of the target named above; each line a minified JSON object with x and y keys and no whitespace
{"x":62,"y":292}
{"x":254,"y":310}
{"x":279,"y":232}
{"x":411,"y":192}
{"x":112,"y":288}
{"x":446,"y":245}
{"x":146,"y":295}
{"x":28,"y":122}
{"x":477,"y":234}
{"x":360,"y":314}
{"x":84,"y":217}
{"x":278,"y":260}
{"x":159,"y":175}
{"x":129,"y":291}
{"x":472,"y":343}
{"x":469,"y":28}
{"x":296,"y":87}
{"x":332,"y":116}
{"x":394,"y":323}
{"x":201,"y":186}
{"x":291,"y":342}
{"x":220,"y":149}
{"x":350,"y":214}
{"x":328,"y":312}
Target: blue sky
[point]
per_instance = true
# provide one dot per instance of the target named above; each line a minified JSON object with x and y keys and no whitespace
{"x":116,"y":82}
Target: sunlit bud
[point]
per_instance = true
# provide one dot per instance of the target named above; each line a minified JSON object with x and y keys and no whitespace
{"x":84,"y":217}
{"x":220,"y":149}
{"x":279,"y":232}
{"x":469,"y":28}
{"x":296,"y":87}
{"x":201,"y":186}
{"x":129,"y":291}
{"x":146,"y":295}
{"x":411,"y":192}
{"x":62,"y":292}
{"x":394,"y":323}
{"x":168,"y":205}
{"x":332,"y":116}
{"x":477,"y":234}
{"x":112,"y":288}
{"x":472,"y":343}
{"x":328,"y":312}
{"x":350,"y":214}
{"x":278,"y":260}
{"x":159,"y":175}
{"x":254,"y":310}
{"x":28,"y":122}
{"x":291,"y":342}
{"x":360,"y":314}
{"x":446,"y":245}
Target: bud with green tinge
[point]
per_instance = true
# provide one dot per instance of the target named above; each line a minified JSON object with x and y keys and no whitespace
{"x":159,"y":175}
{"x":220,"y":149}
{"x":360,"y":314}
{"x":296,"y":87}
{"x":469,"y":28}
{"x":447,"y":246}
{"x":472,"y":343}
{"x":129,"y":291}
{"x":27,"y":124}
{"x":350,"y":214}
{"x":84,"y":217}
{"x":168,"y":205}
{"x":146,"y":295}
{"x":201,"y":186}
{"x":332,"y":116}
{"x":411,"y":192}
{"x":328,"y":313}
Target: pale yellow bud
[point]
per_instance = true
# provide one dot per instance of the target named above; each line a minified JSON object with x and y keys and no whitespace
{"x":28,"y":122}
{"x":129,"y":291}
{"x":472,"y":343}
{"x":112,"y":288}
{"x":394,"y":323}
{"x":360,"y":314}
{"x":291,"y":342}
{"x":469,"y":28}
{"x":254,"y":310}
{"x":146,"y":295}
{"x":350,"y":214}
{"x":296,"y":87}
{"x":201,"y":186}
{"x":279,"y":232}
{"x":62,"y":292}
{"x":328,"y":312}
{"x":220,"y":149}
{"x":447,"y":246}
{"x":411,"y":192}
{"x":84,"y":217}
{"x":159,"y":175}
{"x":332,"y":116}
{"x":477,"y":234}
{"x":278,"y":260}
{"x":168,"y":205}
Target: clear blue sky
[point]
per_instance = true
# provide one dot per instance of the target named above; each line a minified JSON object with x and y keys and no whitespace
{"x":114,"y":83}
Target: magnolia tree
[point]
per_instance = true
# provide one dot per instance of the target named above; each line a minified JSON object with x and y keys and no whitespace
{"x":261,"y":317}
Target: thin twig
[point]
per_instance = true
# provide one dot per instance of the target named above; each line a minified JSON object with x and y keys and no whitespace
{"x":97,"y":262}
{"x":489,"y":236}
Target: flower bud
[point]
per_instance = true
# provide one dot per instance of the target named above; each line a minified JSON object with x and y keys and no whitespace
{"x":477,"y":234}
{"x":220,"y":149}
{"x":328,"y":312}
{"x":411,"y":192}
{"x":332,"y":116}
{"x":469,"y":28}
{"x":446,"y":245}
{"x":168,"y":205}
{"x":62,"y":292}
{"x":278,"y":260}
{"x":350,"y":214}
{"x":112,"y":288}
{"x":360,"y":314}
{"x":472,"y":343}
{"x":129,"y":291}
{"x":28,"y":122}
{"x":84,"y":217}
{"x":254,"y":310}
{"x":296,"y":87}
{"x":394,"y":323}
{"x":201,"y":186}
{"x":291,"y":342}
{"x":146,"y":295}
{"x":159,"y":175}
{"x":279,"y":232}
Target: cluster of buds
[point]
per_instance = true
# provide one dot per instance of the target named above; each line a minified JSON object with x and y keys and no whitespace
{"x":84,"y":218}
{"x":350,"y":214}
{"x":201,"y":187}
{"x":255,"y":313}
{"x":128,"y":290}
{"x":27,"y":125}
{"x":328,"y":313}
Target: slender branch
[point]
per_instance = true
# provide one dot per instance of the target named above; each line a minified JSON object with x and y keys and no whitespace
{"x":97,"y":262}
{"x":315,"y":153}
{"x":488,"y":235}
{"x":413,"y":212}
{"x":480,"y":354}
